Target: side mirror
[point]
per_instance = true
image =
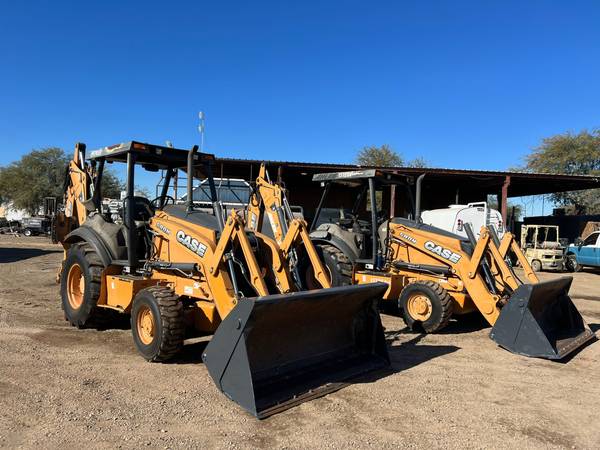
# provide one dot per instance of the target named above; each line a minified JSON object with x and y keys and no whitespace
{"x":578,"y":242}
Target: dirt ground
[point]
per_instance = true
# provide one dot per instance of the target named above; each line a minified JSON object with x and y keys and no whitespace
{"x":63,"y":387}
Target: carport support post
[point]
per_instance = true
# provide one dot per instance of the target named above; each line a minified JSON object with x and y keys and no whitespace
{"x":130,"y":199}
{"x":504,"y":199}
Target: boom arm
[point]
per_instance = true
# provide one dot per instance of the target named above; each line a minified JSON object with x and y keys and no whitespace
{"x":77,"y":194}
{"x":269,"y":198}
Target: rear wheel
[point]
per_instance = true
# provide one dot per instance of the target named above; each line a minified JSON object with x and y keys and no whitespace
{"x":80,"y":285}
{"x":157,"y":323}
{"x":536,"y":265}
{"x":27,"y":232}
{"x":337,"y":265}
{"x":426,"y":305}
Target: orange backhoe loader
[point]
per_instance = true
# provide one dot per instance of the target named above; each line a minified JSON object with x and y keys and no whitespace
{"x":173,"y":266}
{"x":433,"y":274}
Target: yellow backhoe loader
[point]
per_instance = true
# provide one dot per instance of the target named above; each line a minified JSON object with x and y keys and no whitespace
{"x":172,"y":266}
{"x":433,"y":274}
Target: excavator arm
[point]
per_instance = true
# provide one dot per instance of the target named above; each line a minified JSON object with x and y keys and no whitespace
{"x":78,"y":188}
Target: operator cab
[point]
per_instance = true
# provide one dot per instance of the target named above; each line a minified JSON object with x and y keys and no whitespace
{"x":351,"y":211}
{"x":130,"y":232}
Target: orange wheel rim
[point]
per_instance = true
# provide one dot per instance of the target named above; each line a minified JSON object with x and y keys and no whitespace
{"x":145,"y":325}
{"x":75,"y":286}
{"x":419,"y":307}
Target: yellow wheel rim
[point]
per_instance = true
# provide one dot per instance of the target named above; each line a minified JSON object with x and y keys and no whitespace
{"x":145,"y":325}
{"x":419,"y":307}
{"x":75,"y":286}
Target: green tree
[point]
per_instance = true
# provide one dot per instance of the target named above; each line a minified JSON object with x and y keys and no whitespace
{"x":383,"y":156}
{"x":36,"y":175}
{"x":419,"y":162}
{"x":111,"y":185}
{"x":573,"y":154}
{"x":386,"y":156}
{"x":39,"y":174}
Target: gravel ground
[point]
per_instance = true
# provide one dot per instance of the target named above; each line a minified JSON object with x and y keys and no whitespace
{"x":62,"y":387}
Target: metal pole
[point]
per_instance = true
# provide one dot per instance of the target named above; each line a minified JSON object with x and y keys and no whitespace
{"x":373,"y":197}
{"x":131,"y":235}
{"x":418,"y":198}
{"x":319,"y":207}
{"x":190,"y":178}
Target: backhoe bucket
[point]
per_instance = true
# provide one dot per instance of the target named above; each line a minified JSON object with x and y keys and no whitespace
{"x":271,"y":353}
{"x":540,"y":320}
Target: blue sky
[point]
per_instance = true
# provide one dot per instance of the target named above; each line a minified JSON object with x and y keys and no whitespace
{"x":465,"y":84}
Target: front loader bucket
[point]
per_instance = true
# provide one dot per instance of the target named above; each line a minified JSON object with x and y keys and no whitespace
{"x":273,"y":352}
{"x":540,"y":320}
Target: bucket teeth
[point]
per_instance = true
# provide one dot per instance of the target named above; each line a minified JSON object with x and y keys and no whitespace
{"x":540,"y":320}
{"x":273,"y":352}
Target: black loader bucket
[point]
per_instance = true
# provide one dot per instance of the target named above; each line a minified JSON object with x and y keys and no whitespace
{"x":540,"y":320}
{"x":271,"y":353}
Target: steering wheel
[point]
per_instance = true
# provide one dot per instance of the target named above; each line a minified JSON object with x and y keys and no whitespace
{"x":156,"y":201}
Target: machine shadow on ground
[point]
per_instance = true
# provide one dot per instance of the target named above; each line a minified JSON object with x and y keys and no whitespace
{"x":16,"y":254}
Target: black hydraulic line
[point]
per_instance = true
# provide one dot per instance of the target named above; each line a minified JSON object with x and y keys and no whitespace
{"x":131,"y":229}
{"x":426,"y":268}
{"x":496,"y":241}
{"x":487,"y":273}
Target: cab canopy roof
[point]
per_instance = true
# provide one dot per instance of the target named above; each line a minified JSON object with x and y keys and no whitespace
{"x":357,"y":177}
{"x":152,"y":157}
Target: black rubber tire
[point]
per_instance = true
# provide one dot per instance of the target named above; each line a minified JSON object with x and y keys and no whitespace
{"x":442,"y":306}
{"x":87,"y":314}
{"x":571,"y":264}
{"x":536,"y":265}
{"x":167,"y":312}
{"x":338,"y":265}
{"x":27,"y":232}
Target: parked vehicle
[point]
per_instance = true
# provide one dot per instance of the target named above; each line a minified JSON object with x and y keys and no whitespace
{"x":33,"y":226}
{"x":584,"y":252}
{"x":542,"y":247}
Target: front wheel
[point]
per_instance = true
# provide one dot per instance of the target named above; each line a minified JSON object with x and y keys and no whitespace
{"x":425,"y":305}
{"x":27,"y":232}
{"x":536,"y":265}
{"x":157,"y":323}
{"x":571,"y":264}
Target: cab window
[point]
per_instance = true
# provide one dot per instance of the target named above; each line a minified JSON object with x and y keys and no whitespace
{"x":591,"y":239}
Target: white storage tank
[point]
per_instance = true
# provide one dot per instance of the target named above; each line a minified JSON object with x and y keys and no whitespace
{"x":454,"y":218}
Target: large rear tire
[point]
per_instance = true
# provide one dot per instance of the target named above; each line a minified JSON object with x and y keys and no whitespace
{"x":157,"y":323}
{"x":337,"y":265}
{"x":425,"y":305}
{"x":80,"y":285}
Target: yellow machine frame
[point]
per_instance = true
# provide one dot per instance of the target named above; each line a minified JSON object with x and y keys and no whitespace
{"x":464,"y":283}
